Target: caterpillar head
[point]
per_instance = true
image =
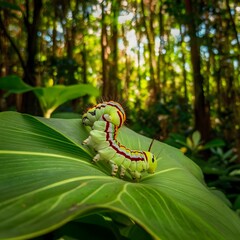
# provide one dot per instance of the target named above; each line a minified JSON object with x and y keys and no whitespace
{"x":152,"y":162}
{"x":88,"y":118}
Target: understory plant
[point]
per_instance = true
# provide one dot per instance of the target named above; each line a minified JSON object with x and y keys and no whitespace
{"x":51,"y":97}
{"x":219,"y":165}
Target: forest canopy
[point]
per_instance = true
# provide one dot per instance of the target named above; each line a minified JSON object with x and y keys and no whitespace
{"x":174,"y":64}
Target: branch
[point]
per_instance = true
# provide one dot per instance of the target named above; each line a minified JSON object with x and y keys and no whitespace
{"x":13,"y":44}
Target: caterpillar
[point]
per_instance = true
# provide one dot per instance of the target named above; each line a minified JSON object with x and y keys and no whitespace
{"x":108,"y":111}
{"x":103,"y":140}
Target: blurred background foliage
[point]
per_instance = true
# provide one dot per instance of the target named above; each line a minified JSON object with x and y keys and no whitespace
{"x":173,"y":64}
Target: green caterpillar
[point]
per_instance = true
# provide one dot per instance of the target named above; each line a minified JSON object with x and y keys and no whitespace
{"x":103,"y":139}
{"x":108,"y":111}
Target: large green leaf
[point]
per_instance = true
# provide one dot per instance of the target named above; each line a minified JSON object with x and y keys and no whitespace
{"x":47,"y":179}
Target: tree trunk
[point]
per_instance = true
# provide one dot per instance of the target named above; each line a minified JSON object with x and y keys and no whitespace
{"x":201,"y":108}
{"x":109,"y":44}
{"x":151,"y":48}
{"x":32,"y":28}
{"x":183,"y":67}
{"x":160,"y":60}
{"x":113,"y":68}
{"x":29,"y":102}
{"x":125,"y":92}
{"x":104,"y":54}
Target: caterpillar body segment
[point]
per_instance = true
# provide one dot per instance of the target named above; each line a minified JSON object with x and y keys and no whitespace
{"x":103,"y":139}
{"x":97,"y":136}
{"x":107,"y":111}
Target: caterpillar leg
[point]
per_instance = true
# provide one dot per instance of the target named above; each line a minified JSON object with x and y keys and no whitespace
{"x":96,"y":158}
{"x":114,"y":168}
{"x":135,"y":175}
{"x":122,"y":172}
{"x":87,"y":141}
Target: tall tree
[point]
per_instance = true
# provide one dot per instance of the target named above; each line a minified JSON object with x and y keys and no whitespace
{"x":184,"y":65}
{"x":31,"y":22}
{"x":148,"y":8}
{"x":201,"y":106}
{"x":31,"y":19}
{"x":104,"y":52}
{"x":109,"y":44}
{"x":161,"y":60}
{"x":113,"y":70}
